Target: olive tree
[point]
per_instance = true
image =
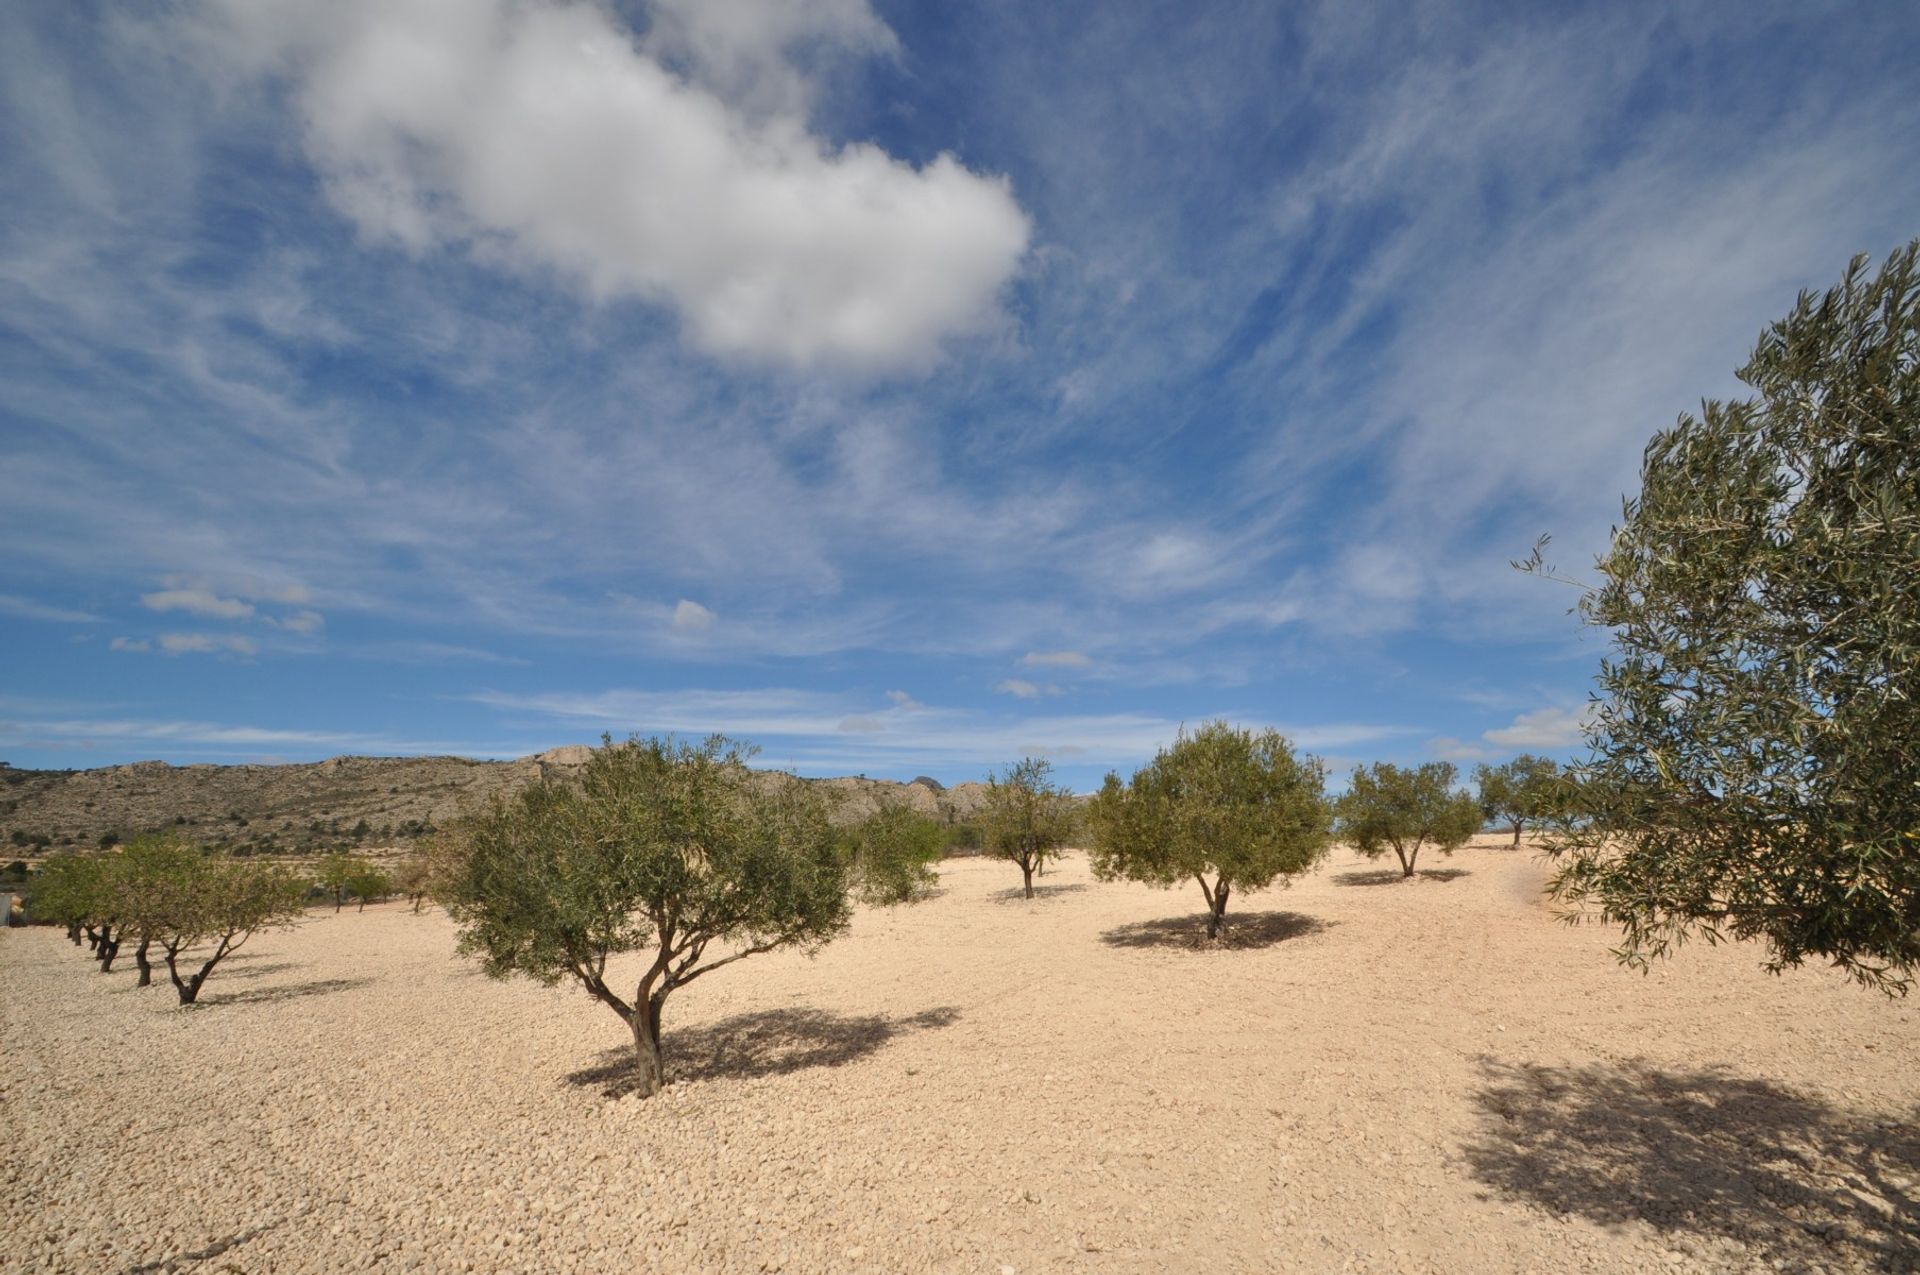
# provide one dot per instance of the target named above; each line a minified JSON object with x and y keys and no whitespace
{"x":891,"y":853}
{"x":1405,"y":810}
{"x":1026,"y":819}
{"x":366,"y":883}
{"x":336,"y":872}
{"x":78,"y":891}
{"x":223,"y":902}
{"x":1231,"y":809}
{"x":1519,"y":793}
{"x":148,"y":881}
{"x":666,"y":848}
{"x":1755,"y":741}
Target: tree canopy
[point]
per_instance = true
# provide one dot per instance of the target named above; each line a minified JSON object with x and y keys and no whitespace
{"x":1230,"y":809}
{"x":1519,"y":792}
{"x":668,"y":848}
{"x":1026,"y":818}
{"x":1755,"y":768}
{"x":891,"y":853}
{"x":1405,"y":810}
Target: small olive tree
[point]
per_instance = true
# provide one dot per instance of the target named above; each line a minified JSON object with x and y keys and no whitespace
{"x":222,"y":902}
{"x":368,"y":882}
{"x":1405,"y":810}
{"x":64,"y":892}
{"x":891,"y":853}
{"x":1026,"y":819}
{"x":336,"y":872}
{"x":1519,"y":793}
{"x":149,"y":879}
{"x":1231,"y":809}
{"x":666,"y":848}
{"x":1755,"y":741}
{"x":413,"y":878}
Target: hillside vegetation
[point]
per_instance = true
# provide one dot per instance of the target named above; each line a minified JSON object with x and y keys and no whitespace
{"x":314,"y":807}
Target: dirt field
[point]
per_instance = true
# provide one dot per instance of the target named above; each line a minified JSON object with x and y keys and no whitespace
{"x":1382,"y":1076}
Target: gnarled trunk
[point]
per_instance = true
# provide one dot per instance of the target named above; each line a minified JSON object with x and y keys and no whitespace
{"x":1026,"y":870}
{"x":144,"y":965}
{"x":108,"y":949}
{"x":73,"y":932}
{"x":1407,"y":857}
{"x":649,"y":1070}
{"x":1517,"y":826}
{"x":1217,"y":909}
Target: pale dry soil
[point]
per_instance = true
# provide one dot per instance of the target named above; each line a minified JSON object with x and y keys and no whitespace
{"x":1380,"y":1075}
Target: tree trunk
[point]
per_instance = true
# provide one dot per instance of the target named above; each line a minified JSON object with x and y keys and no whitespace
{"x":109,"y":948}
{"x":1517,"y":826}
{"x":363,"y":904}
{"x":416,"y":903}
{"x":339,"y":900}
{"x":1217,"y":914}
{"x":73,"y":932}
{"x":1407,"y":858}
{"x":1026,"y":869}
{"x":649,"y":1074}
{"x":144,"y":965}
{"x":93,"y":937}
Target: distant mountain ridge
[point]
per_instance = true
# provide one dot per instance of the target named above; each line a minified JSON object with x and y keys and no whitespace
{"x":311,"y":807}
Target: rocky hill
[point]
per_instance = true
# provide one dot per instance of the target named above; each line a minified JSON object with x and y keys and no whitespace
{"x":313,"y":807}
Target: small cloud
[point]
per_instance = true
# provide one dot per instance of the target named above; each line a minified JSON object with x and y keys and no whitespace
{"x":1542,"y":728}
{"x":1023,"y":689}
{"x":201,"y":602}
{"x":206,"y":644}
{"x":129,"y":644}
{"x":863,"y":726}
{"x":691,"y":617}
{"x":1447,"y":748}
{"x":903,"y":700}
{"x":1056,"y":659}
{"x":301,"y":622}
{"x":27,"y":609}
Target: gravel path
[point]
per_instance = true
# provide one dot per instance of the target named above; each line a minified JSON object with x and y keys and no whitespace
{"x":1380,"y":1076}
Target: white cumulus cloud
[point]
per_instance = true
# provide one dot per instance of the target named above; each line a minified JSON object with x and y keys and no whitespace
{"x":542,"y":134}
{"x":691,"y":617}
{"x":1542,"y":728}
{"x":202,"y":602}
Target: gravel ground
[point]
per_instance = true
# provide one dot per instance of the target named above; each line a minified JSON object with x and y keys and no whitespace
{"x":1379,"y":1076}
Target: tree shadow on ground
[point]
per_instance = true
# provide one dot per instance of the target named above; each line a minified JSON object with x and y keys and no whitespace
{"x":1242,"y":931}
{"x":255,"y":971}
{"x":1727,"y":1161}
{"x":1393,"y":876}
{"x":1018,"y":894}
{"x":772,"y":1042}
{"x":215,"y":999}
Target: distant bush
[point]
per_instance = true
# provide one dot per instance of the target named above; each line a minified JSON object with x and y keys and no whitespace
{"x":962,"y":836}
{"x":892,"y":852}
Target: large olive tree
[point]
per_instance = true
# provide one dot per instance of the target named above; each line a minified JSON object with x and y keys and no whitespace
{"x":1406,"y":809}
{"x":1026,"y":819}
{"x":1231,"y":809}
{"x":670,"y":849}
{"x":1755,"y":767}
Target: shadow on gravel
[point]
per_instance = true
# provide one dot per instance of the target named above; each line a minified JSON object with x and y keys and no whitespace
{"x":213,"y":998}
{"x":1393,"y":876}
{"x":1246,"y":930}
{"x":1728,"y":1161}
{"x":255,"y":971}
{"x":1018,"y":894}
{"x":772,"y":1042}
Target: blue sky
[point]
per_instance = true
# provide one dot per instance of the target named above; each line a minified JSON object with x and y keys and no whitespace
{"x":904,"y":388}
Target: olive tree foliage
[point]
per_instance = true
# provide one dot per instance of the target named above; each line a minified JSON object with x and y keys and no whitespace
{"x":337,"y":873}
{"x":1231,"y":809}
{"x":1755,"y":742}
{"x":149,"y":878}
{"x":413,"y":877}
{"x":666,"y":848}
{"x":1026,"y":819}
{"x":891,"y":853}
{"x":1405,"y":810}
{"x":368,"y":882}
{"x":207,"y":908}
{"x":1520,"y":793}
{"x":80,"y":892}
